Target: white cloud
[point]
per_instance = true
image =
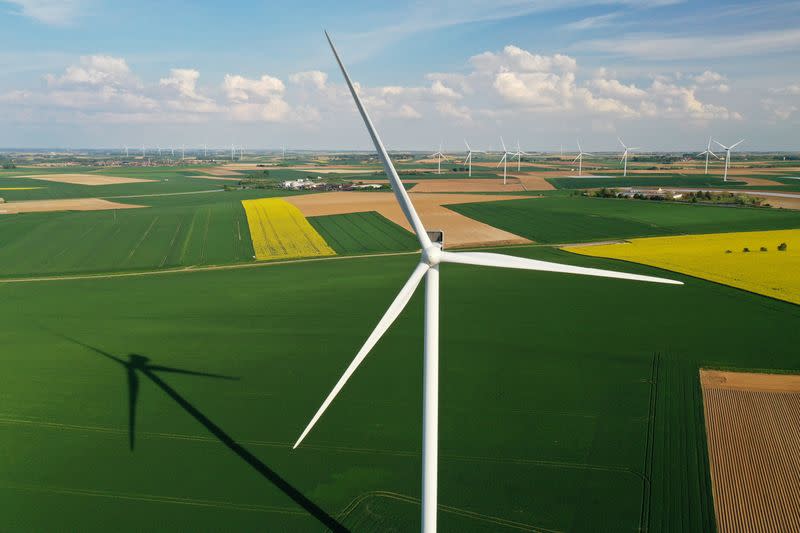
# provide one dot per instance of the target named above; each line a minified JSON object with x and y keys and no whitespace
{"x":617,"y":89}
{"x":97,"y":70}
{"x":590,"y":23}
{"x":50,"y":12}
{"x":241,"y":89}
{"x":709,"y":77}
{"x":664,"y":47}
{"x":517,"y":59}
{"x":793,"y":90}
{"x":315,"y":78}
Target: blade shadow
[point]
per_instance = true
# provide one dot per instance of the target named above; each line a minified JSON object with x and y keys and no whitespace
{"x":140,"y":363}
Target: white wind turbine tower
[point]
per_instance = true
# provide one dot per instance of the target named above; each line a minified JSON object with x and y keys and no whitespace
{"x":143,"y":151}
{"x":183,"y":152}
{"x":624,"y":158}
{"x":205,"y":151}
{"x":504,"y":160}
{"x":126,"y":150}
{"x":708,"y":152}
{"x":518,"y":154}
{"x":241,"y":152}
{"x":159,"y":150}
{"x":728,"y":156}
{"x":579,"y":158}
{"x":468,"y":160}
{"x":439,"y":156}
{"x":431,"y":257}
{"x":172,"y":151}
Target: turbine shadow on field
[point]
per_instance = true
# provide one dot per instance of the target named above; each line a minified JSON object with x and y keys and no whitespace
{"x":141,"y":364}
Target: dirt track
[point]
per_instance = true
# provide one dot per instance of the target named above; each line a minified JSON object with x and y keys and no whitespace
{"x":753,"y":431}
{"x":460,"y":231}
{"x":71,"y":204}
{"x":85,"y":179}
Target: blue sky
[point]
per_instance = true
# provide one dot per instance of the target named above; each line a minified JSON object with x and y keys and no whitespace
{"x":662,"y":74}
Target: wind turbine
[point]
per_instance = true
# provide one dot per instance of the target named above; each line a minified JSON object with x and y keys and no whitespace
{"x":579,"y":158}
{"x":624,"y":158}
{"x":126,"y":150}
{"x":205,"y":151}
{"x":183,"y":152}
{"x":708,"y":152}
{"x":504,"y":160}
{"x":241,"y":152}
{"x":143,"y":151}
{"x":233,"y":152}
{"x":468,"y":160}
{"x":439,"y":156}
{"x":518,"y":154}
{"x":432,"y":256}
{"x":728,"y":156}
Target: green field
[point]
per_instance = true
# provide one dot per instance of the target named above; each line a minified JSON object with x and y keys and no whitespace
{"x":361,"y":233}
{"x":538,"y":426}
{"x":170,"y":401}
{"x":559,"y":219}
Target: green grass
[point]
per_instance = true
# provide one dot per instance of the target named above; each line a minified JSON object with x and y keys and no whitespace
{"x":558,"y":402}
{"x":578,"y":219}
{"x":361,"y":233}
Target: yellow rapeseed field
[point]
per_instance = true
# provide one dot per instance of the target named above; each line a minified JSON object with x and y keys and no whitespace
{"x":772,"y":272}
{"x":280,"y":231}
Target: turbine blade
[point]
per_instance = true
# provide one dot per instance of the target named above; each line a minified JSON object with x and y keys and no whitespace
{"x":399,"y":303}
{"x":712,"y":153}
{"x":622,"y":143}
{"x":576,"y":157}
{"x":509,"y":261}
{"x":397,"y":185}
{"x":504,"y":145}
{"x":737,"y":144}
{"x":722,"y":145}
{"x":468,"y":148}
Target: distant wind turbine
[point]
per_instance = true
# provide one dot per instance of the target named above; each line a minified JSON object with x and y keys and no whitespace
{"x":518,"y":154}
{"x":143,"y":151}
{"x":468,"y":160}
{"x":624,"y":158}
{"x":439,"y":156}
{"x":579,"y":158}
{"x":504,"y":160}
{"x":126,"y":150}
{"x":707,"y":152}
{"x":432,"y":257}
{"x":728,"y":156}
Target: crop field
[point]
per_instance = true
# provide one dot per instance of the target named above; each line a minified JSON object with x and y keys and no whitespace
{"x":557,"y":434}
{"x":178,"y":231}
{"x":557,"y":219}
{"x":164,"y":181}
{"x":752,"y":422}
{"x":645,"y":181}
{"x":359,"y":233}
{"x":747,"y":260}
{"x":279,"y":230}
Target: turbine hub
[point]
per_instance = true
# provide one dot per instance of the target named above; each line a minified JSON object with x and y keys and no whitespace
{"x":432,"y":255}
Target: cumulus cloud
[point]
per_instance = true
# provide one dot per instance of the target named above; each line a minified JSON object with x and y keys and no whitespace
{"x":315,"y":78}
{"x":96,"y":70}
{"x":241,"y":89}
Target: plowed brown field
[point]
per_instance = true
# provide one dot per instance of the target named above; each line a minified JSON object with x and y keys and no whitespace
{"x":753,"y":431}
{"x":459,"y":231}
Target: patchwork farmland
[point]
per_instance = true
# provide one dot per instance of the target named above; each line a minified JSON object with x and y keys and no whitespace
{"x":601,"y":435}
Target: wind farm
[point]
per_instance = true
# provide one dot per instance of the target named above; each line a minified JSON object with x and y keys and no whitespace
{"x":248,"y":297}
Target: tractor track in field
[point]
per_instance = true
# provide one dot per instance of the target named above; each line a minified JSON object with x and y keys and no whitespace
{"x":235,"y":266}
